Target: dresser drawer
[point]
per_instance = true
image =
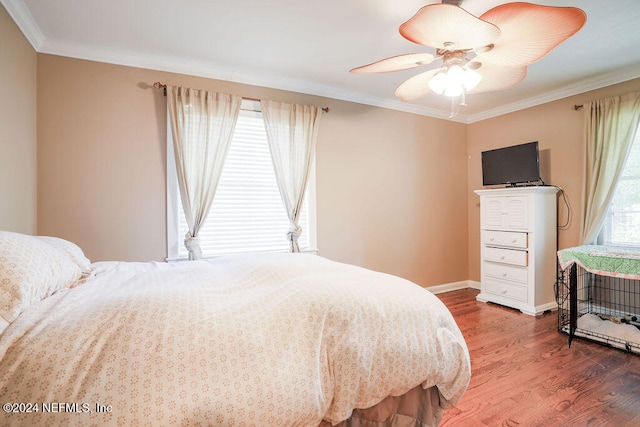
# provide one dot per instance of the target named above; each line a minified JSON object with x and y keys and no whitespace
{"x":506,"y":256}
{"x":506,"y":272}
{"x":505,"y":290}
{"x":505,"y":238}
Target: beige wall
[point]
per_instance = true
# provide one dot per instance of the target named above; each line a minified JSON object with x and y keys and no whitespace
{"x":392,"y":193}
{"x":387,"y":197}
{"x":101,"y":161}
{"x":17,"y":129}
{"x":559,"y":130}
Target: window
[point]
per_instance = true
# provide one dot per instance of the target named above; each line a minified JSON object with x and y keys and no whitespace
{"x":247,"y":214}
{"x":622,"y":223}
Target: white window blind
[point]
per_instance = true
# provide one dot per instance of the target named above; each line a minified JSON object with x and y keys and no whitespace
{"x":622,"y":223}
{"x":247,"y":214}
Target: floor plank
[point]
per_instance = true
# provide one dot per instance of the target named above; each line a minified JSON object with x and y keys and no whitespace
{"x":525,"y":374}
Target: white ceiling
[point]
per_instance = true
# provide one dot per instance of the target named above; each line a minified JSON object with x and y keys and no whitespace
{"x":310,"y":47}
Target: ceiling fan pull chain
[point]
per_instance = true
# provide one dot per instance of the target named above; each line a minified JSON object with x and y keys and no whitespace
{"x":455,"y":107}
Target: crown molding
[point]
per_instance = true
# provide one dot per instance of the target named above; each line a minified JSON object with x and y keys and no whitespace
{"x":582,"y":86}
{"x":24,"y":20}
{"x":207,"y":70}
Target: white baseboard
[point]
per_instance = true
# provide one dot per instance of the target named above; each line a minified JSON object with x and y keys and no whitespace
{"x":448,"y":287}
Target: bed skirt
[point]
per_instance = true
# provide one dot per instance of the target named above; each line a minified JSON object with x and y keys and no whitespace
{"x":416,"y":408}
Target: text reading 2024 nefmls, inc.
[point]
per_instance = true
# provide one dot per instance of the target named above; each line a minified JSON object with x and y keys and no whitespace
{"x":56,"y":407}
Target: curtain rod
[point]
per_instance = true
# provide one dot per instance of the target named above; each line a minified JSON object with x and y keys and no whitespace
{"x":577,"y":107}
{"x":163,"y":86}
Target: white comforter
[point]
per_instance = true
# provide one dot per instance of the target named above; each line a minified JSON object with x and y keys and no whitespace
{"x":266,"y":340}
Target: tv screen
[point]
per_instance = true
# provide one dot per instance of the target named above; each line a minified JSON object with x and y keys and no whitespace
{"x":518,"y":164}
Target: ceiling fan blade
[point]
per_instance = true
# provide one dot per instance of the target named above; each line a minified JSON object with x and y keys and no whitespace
{"x":446,"y":25}
{"x":396,"y":63}
{"x":529,"y":31}
{"x":416,"y":86}
{"x":497,"y":77}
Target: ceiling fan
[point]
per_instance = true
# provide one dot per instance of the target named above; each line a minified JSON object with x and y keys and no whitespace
{"x":479,"y":54}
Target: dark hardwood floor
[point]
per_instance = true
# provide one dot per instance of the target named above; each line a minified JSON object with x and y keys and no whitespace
{"x":524,"y":373}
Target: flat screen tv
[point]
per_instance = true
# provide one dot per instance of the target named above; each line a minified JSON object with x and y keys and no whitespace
{"x":512,"y":166}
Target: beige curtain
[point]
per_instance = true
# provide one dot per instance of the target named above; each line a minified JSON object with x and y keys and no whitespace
{"x":292,"y":132}
{"x":611,"y":125}
{"x":202,"y":125}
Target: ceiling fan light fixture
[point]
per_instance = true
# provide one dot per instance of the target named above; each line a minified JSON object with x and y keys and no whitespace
{"x":453,"y":90}
{"x":471,"y":79}
{"x":455,"y":73}
{"x":454,"y":81}
{"x":438,"y":83}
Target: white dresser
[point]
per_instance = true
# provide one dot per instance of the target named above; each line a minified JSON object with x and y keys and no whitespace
{"x":518,"y":247}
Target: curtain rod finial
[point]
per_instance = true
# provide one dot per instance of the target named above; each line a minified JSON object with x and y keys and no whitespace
{"x":162,"y":86}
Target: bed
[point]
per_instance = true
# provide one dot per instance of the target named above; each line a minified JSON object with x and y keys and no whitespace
{"x":261,"y":339}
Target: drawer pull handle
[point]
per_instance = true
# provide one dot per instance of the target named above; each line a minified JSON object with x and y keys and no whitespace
{"x":504,"y":291}
{"x":502,"y":257}
{"x":514,"y":241}
{"x":504,"y":274}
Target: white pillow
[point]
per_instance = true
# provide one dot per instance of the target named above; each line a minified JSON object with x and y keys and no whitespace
{"x":72,"y":250}
{"x":30,"y":270}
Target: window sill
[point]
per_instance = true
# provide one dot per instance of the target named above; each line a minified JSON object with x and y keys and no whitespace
{"x":632,"y":246}
{"x":313,"y":251}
